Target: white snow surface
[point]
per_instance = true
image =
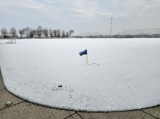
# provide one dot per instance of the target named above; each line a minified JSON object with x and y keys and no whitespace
{"x":128,"y":75}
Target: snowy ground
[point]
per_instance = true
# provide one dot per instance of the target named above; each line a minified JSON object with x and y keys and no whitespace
{"x":128,"y":75}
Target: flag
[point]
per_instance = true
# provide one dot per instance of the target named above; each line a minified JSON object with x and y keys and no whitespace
{"x":83,"y":52}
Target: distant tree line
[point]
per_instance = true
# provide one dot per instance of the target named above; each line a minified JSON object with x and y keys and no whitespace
{"x":36,"y":33}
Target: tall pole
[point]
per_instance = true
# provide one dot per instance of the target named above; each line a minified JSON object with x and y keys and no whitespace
{"x":111,"y":28}
{"x":83,"y":30}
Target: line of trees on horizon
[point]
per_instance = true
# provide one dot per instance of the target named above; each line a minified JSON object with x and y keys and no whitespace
{"x":36,"y":33}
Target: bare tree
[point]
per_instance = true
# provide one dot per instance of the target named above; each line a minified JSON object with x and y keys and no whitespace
{"x":21,"y":31}
{"x":58,"y":33}
{"x":67,"y":34}
{"x":45,"y":32}
{"x":39,"y":31}
{"x":63,"y":33}
{"x":27,"y":31}
{"x":55,"y":33}
{"x":4,"y":32}
{"x":32,"y":33}
{"x":71,"y":32}
{"x":13,"y":31}
{"x":51,"y":33}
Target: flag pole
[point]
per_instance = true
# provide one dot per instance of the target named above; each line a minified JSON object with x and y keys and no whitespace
{"x":86,"y":58}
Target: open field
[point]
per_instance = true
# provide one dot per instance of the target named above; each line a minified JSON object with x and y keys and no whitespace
{"x":126,"y":78}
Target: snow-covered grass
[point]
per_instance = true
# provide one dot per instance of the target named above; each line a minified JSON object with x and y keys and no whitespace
{"x":128,"y":75}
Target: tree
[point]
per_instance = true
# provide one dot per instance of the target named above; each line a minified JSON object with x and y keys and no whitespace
{"x":21,"y":32}
{"x":45,"y":32}
{"x":13,"y":31}
{"x":67,"y":34}
{"x":51,"y":33}
{"x":39,"y":31}
{"x":27,"y":31}
{"x":63,"y":33}
{"x":59,"y":33}
{"x":32,"y":33}
{"x":4,"y":32}
{"x":71,"y":32}
{"x":55,"y":33}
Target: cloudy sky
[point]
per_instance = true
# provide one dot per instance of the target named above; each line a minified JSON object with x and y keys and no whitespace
{"x":70,"y":14}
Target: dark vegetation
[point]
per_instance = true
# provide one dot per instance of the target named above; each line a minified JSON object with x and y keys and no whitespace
{"x":40,"y":32}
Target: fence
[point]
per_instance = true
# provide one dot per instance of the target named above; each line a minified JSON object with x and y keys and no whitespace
{"x":141,"y":33}
{"x":133,"y":33}
{"x":90,"y":34}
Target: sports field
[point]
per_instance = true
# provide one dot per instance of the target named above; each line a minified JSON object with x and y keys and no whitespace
{"x":122,"y":74}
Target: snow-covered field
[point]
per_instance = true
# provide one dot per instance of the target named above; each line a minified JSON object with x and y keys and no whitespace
{"x":128,"y":75}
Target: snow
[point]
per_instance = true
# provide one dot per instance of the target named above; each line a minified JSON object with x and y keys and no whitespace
{"x":127,"y":77}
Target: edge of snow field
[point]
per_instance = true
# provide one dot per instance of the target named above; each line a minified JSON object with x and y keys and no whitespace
{"x":145,"y":66}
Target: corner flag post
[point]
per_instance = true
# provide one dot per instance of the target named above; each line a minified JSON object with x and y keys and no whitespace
{"x":84,"y":53}
{"x":86,"y":58}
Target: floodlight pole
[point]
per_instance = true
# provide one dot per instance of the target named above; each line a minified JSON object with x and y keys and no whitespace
{"x":111,"y":28}
{"x":148,"y":33}
{"x":83,"y":30}
{"x":123,"y":34}
{"x":142,"y":34}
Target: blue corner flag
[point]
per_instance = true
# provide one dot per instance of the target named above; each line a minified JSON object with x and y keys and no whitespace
{"x":83,"y":52}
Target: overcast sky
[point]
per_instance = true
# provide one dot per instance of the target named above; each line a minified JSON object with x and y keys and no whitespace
{"x":70,"y":14}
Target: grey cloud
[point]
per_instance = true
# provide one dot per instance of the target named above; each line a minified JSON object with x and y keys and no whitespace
{"x":127,"y":14}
